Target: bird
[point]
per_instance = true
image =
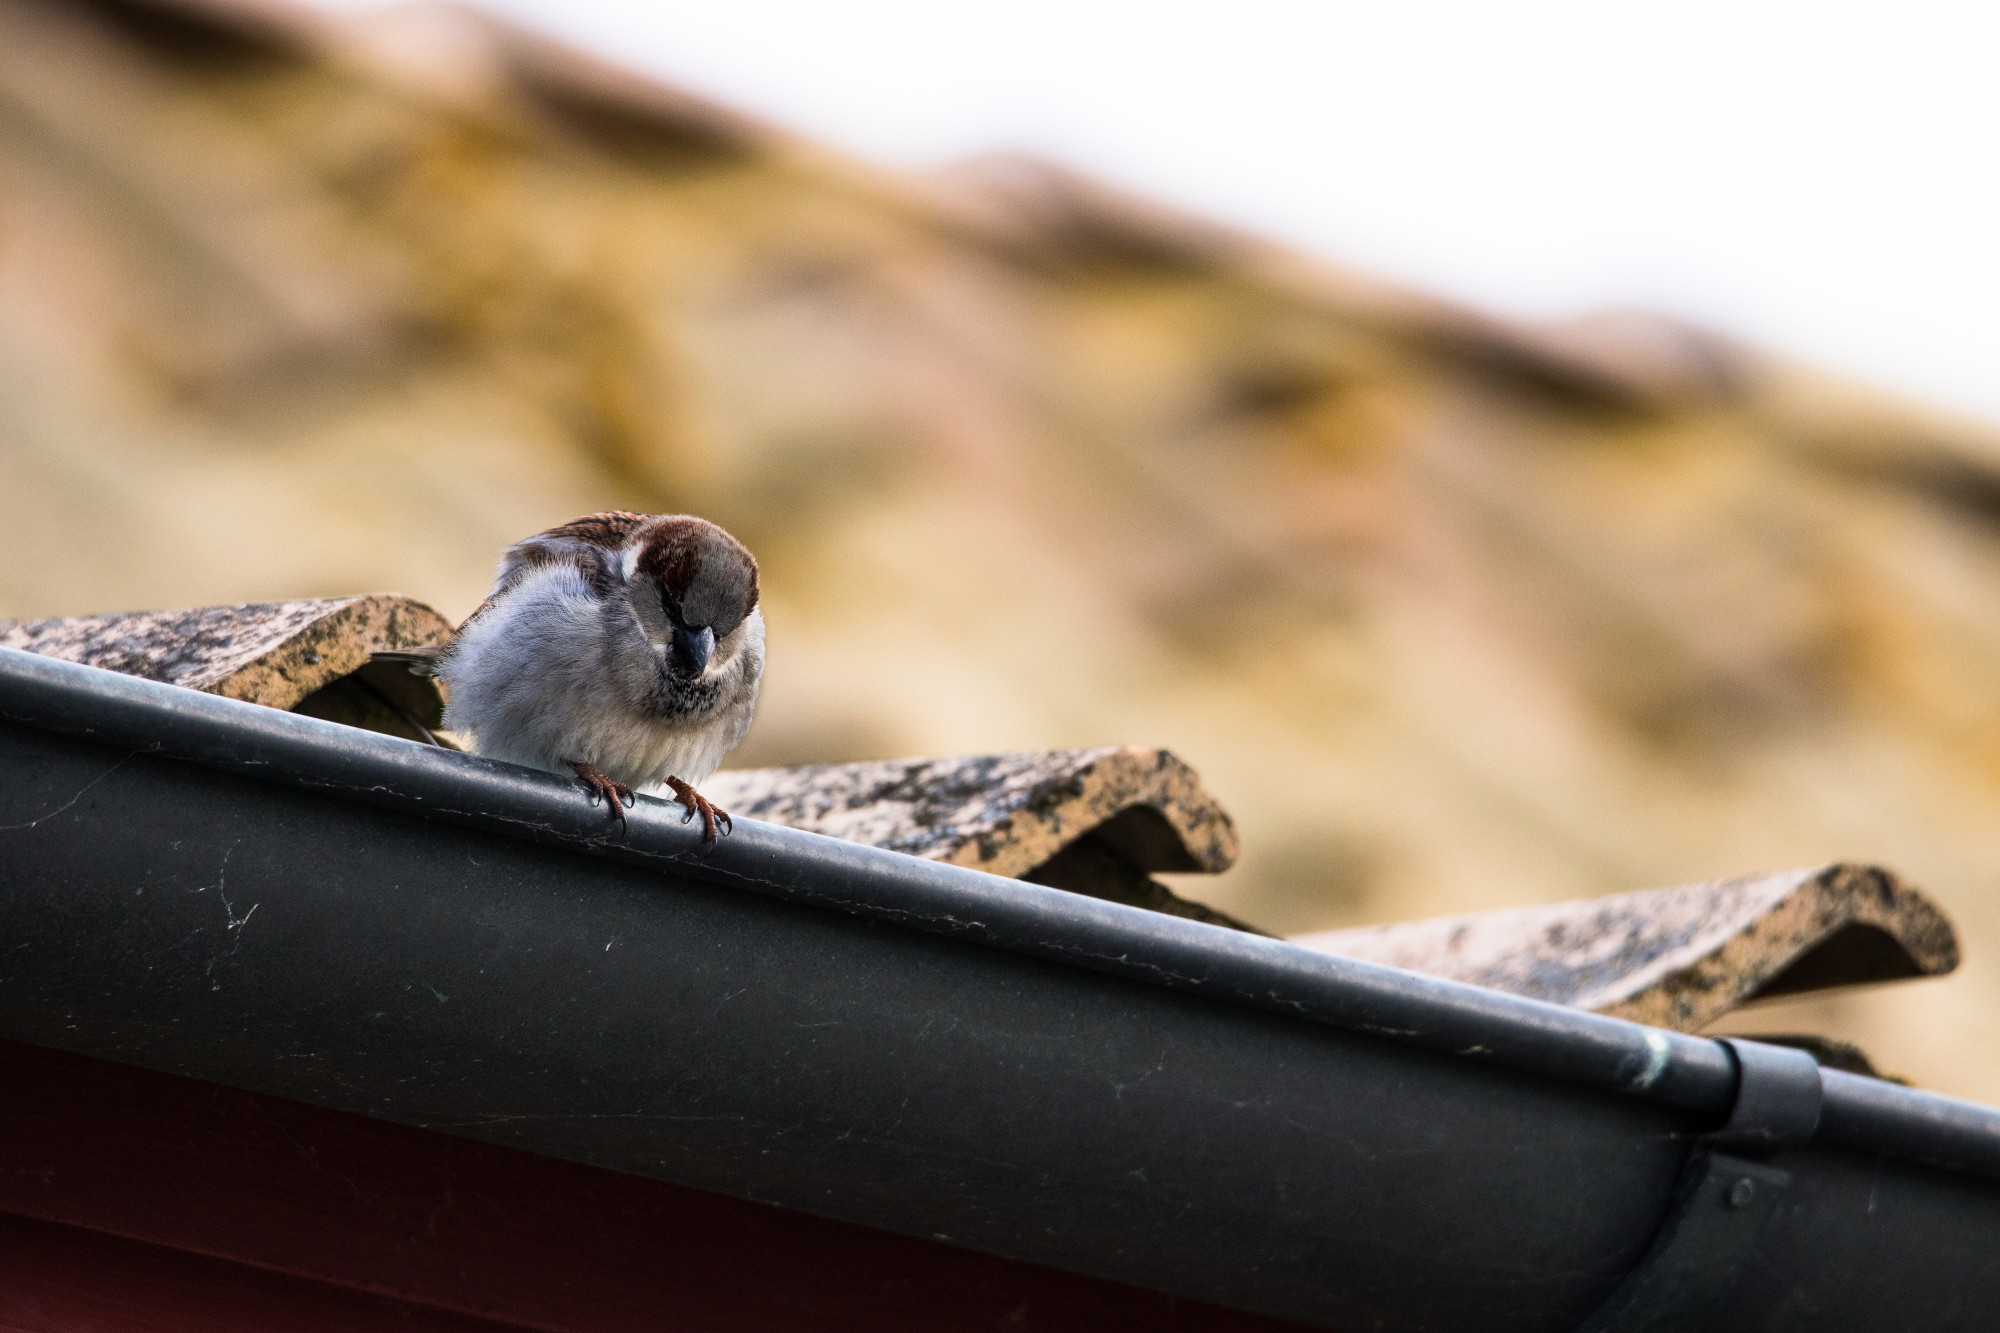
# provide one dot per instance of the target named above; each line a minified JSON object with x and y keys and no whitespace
{"x":625,"y":649}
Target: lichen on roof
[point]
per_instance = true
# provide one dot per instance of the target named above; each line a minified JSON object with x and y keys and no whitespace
{"x":1680,"y":957}
{"x":271,"y":653}
{"x":1003,"y":813}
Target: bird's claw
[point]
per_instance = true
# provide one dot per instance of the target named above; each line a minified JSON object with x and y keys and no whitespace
{"x":713,"y":816}
{"x":602,"y":787}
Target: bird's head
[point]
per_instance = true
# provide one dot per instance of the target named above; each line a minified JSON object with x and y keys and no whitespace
{"x":692,"y":588}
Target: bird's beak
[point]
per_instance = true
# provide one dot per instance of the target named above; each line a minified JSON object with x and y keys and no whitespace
{"x":695,"y":647}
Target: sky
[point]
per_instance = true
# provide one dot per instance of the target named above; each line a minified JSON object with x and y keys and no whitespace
{"x":1822,"y":179}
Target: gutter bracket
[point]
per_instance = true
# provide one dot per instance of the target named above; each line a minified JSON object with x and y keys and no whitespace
{"x":1722,"y":1200}
{"x":1778,"y":1096}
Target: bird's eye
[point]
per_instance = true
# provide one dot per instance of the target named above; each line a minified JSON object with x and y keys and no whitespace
{"x":670,"y":604}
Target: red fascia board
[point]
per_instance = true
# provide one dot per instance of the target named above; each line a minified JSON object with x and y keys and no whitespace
{"x":153,"y":1181}
{"x":59,"y":1279}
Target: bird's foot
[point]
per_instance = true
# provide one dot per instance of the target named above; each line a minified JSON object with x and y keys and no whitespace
{"x":602,"y":786}
{"x":712,"y":815}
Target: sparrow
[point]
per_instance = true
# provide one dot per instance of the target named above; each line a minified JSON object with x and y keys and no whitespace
{"x":623,"y":648}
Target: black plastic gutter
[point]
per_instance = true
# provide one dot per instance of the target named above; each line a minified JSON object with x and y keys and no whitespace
{"x":1691,"y":1073}
{"x":1224,"y":1116}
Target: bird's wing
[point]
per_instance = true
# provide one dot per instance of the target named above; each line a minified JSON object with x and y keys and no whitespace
{"x":607,"y":531}
{"x":586,"y":542}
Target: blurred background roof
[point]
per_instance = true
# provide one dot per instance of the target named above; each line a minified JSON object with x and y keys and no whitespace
{"x":1813,"y":177}
{"x":1451,"y":611}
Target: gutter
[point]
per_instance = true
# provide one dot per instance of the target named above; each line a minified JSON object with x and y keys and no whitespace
{"x":922,"y":1047}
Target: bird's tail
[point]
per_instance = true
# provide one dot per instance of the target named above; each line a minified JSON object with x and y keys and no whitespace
{"x":417,"y":661}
